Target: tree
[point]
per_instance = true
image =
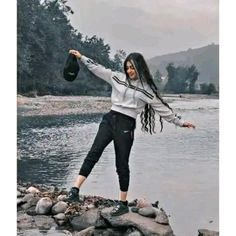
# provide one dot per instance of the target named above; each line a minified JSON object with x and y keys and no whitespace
{"x":207,"y":88}
{"x":193,"y":76}
{"x":44,"y":36}
{"x":119,"y":58}
{"x":211,"y":88}
{"x":158,"y":79}
{"x":181,"y":79}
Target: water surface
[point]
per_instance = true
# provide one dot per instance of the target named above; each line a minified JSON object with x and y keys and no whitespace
{"x":178,"y":167}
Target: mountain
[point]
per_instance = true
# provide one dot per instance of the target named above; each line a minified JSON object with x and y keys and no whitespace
{"x":206,"y":59}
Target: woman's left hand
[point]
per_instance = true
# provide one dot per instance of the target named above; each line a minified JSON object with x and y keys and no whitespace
{"x":188,"y":125}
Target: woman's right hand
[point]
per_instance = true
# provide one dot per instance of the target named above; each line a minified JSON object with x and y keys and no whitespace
{"x":76,"y":53}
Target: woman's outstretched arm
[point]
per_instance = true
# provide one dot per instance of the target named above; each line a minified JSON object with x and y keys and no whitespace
{"x":97,"y":69}
{"x":165,"y":112}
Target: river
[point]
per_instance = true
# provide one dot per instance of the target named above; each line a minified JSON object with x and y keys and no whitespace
{"x":178,"y":167}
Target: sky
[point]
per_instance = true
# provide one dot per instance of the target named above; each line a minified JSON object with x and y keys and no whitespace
{"x":152,"y":27}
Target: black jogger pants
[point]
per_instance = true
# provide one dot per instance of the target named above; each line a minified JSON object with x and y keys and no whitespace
{"x":119,"y":128}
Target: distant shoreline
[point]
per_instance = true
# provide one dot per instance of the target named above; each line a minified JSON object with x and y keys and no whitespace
{"x":69,"y":105}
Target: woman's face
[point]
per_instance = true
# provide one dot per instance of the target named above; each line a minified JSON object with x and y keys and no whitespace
{"x":131,"y":71}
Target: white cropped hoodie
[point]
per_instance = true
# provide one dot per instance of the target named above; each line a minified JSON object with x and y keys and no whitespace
{"x":130,"y":98}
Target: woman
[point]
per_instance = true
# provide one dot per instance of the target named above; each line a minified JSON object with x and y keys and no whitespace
{"x":133,"y":92}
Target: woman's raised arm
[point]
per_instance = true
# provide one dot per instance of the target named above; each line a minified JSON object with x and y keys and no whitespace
{"x":97,"y":69}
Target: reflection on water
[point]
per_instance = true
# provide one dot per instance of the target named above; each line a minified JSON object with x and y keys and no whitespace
{"x":178,"y":167}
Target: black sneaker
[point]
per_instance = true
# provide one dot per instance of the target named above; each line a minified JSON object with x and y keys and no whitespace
{"x":73,"y":195}
{"x":119,"y":209}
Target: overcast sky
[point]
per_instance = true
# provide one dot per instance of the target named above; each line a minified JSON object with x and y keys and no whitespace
{"x":152,"y":27}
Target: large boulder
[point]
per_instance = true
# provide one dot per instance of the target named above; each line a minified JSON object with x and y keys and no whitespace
{"x":85,"y":220}
{"x":43,"y":206}
{"x":144,"y":224}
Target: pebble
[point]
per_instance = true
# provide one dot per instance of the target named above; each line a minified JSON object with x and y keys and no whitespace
{"x":60,"y":216}
{"x":147,"y":211}
{"x":143,"y":203}
{"x":61,"y":197}
{"x":161,"y":218}
{"x":32,"y":190}
{"x":18,"y":194}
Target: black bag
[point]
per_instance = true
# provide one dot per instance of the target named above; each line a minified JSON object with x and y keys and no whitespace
{"x":71,"y":68}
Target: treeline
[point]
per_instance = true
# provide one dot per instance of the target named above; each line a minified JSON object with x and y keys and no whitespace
{"x":182,"y":79}
{"x":44,"y":37}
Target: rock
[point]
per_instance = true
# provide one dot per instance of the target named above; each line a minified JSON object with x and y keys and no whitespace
{"x":91,"y":206}
{"x":43,"y":206}
{"x":51,"y":232}
{"x":86,"y":232}
{"x":19,"y":201}
{"x":143,"y":203}
{"x":24,"y":221}
{"x":85,"y":220}
{"x":60,"y":216}
{"x":43,"y":222}
{"x":59,"y":207}
{"x":60,"y":219}
{"x":31,"y":211}
{"x":61,"y":197}
{"x":52,"y":189}
{"x":27,"y":197}
{"x":19,"y":194}
{"x":109,"y":232}
{"x":32,"y":190}
{"x":26,"y":205}
{"x":147,"y":211}
{"x":144,"y":224}
{"x":100,"y":222}
{"x":133,"y":203}
{"x":161,"y":218}
{"x":206,"y":232}
{"x":22,"y":189}
{"x":134,"y":233}
{"x":81,"y":198}
{"x":31,"y":201}
{"x":135,"y":209}
{"x":155,"y":204}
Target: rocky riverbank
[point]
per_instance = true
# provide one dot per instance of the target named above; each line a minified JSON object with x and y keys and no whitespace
{"x":69,"y":105}
{"x":61,"y":105}
{"x":43,"y":210}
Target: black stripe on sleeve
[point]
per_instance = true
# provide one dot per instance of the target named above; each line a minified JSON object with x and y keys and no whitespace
{"x":133,"y":87}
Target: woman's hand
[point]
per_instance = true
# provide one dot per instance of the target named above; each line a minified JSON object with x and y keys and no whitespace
{"x":188,"y":125}
{"x":76,"y":53}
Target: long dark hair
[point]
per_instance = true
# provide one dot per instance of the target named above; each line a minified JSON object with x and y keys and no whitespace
{"x":147,"y":116}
